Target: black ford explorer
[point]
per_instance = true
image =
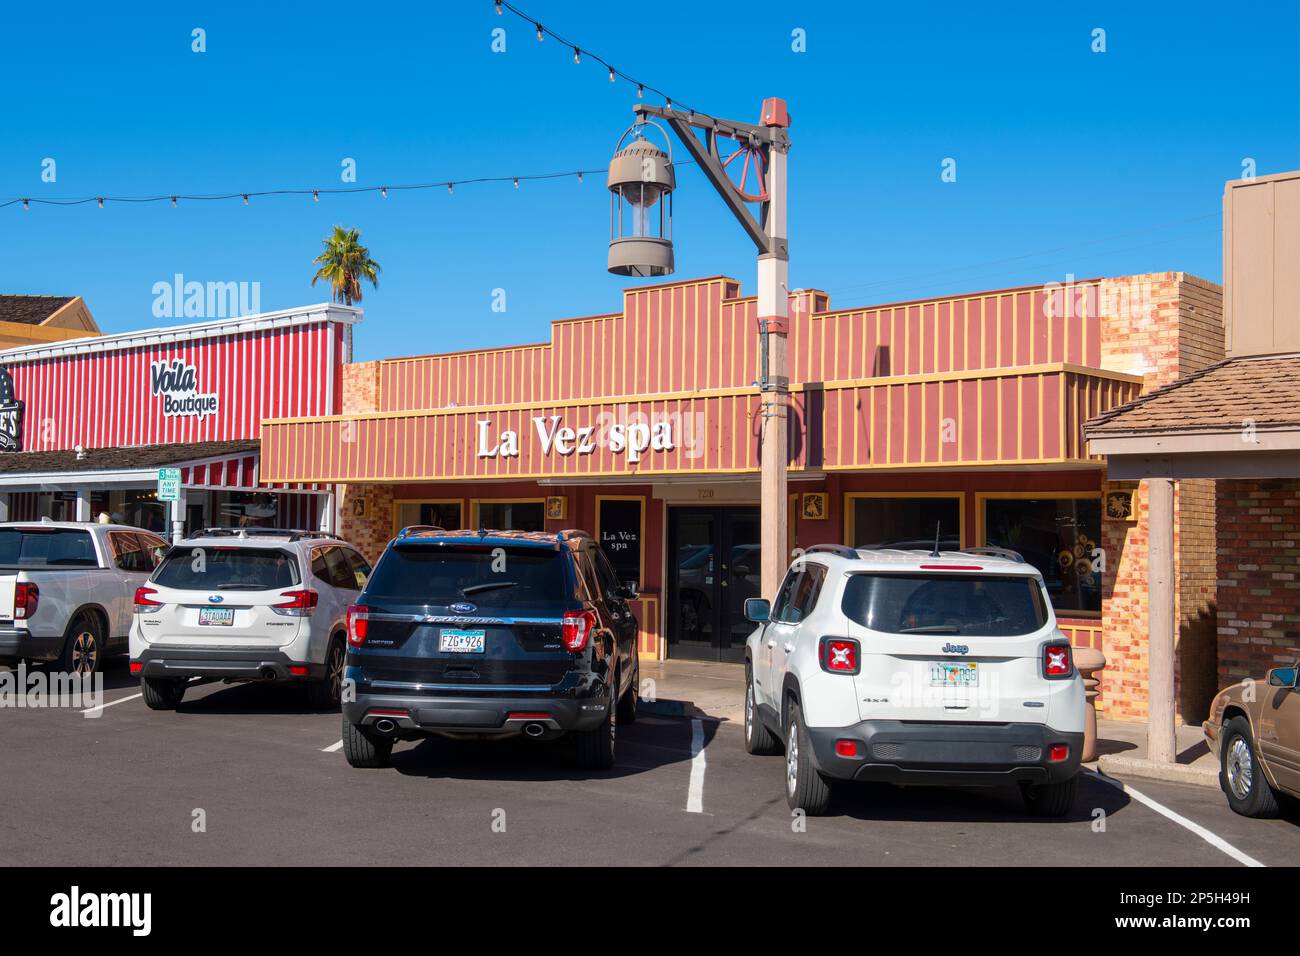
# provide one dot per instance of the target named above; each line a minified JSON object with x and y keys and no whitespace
{"x":490,"y":634}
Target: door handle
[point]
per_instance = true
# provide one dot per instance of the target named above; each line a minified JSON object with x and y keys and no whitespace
{"x":772,"y":643}
{"x":788,"y":647}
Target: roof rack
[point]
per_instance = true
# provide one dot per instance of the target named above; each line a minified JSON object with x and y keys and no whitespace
{"x":839,"y":550}
{"x":293,"y":534}
{"x":411,"y":529}
{"x":993,"y":552}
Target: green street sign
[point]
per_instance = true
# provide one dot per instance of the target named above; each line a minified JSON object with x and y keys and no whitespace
{"x":169,"y":484}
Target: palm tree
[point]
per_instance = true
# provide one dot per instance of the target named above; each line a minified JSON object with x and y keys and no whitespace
{"x":344,"y":263}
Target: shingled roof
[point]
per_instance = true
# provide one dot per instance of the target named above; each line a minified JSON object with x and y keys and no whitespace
{"x":121,"y":459}
{"x":31,"y":309}
{"x":1262,"y":389}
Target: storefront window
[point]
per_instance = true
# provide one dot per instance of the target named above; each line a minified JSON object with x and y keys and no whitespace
{"x":620,"y":522}
{"x":512,"y":515}
{"x":1058,"y":536}
{"x":904,"y":522}
{"x":440,"y":514}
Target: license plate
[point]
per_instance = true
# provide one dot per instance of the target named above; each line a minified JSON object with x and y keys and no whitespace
{"x":944,"y":674}
{"x":221,"y":616}
{"x":461,"y":642}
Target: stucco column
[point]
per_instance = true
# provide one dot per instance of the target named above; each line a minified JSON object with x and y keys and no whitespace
{"x":1161,"y":746}
{"x":83,"y":504}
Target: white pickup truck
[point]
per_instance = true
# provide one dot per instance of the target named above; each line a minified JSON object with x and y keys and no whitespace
{"x":67,"y":589}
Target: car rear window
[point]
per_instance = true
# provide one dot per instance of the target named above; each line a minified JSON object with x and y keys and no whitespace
{"x":227,"y":569}
{"x":430,"y":574}
{"x":970,"y":605}
{"x":42,"y":548}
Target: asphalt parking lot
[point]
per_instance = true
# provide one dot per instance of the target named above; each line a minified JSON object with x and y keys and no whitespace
{"x":249,"y":775}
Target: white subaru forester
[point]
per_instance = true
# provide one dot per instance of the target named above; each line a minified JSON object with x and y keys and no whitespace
{"x":914,"y":667}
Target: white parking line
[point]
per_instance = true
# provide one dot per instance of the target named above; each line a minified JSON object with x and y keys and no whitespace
{"x":332,"y":748}
{"x":1213,"y":839}
{"x":111,"y":703}
{"x":695,"y":793}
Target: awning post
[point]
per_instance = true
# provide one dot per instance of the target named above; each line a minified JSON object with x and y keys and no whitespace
{"x":1161,"y":746}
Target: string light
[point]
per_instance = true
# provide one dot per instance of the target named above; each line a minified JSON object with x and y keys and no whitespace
{"x":383,"y":191}
{"x":450,"y":188}
{"x":26,"y":205}
{"x":543,"y":32}
{"x":101,"y":202}
{"x":173,"y":202}
{"x":245,"y":199}
{"x":516,"y":184}
{"x":315,"y":195}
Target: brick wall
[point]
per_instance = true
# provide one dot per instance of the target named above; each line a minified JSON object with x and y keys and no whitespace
{"x":1162,"y":326}
{"x":365,"y":510}
{"x":1259,"y":577}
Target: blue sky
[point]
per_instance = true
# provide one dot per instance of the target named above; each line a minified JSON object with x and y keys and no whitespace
{"x":1068,"y":161}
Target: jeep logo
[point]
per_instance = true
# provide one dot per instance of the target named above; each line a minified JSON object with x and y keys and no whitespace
{"x":956,"y":649}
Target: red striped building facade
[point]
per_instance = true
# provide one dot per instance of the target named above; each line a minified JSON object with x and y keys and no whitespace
{"x":100,"y":416}
{"x":960,"y":414}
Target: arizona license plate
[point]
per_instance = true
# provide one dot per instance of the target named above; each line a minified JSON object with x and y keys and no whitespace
{"x":453,"y":641}
{"x":221,"y":616}
{"x":944,"y":674}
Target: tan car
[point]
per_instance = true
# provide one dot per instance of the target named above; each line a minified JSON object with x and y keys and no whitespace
{"x":1254,"y":730}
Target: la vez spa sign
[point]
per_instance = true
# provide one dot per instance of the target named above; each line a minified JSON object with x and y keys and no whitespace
{"x":633,"y":438}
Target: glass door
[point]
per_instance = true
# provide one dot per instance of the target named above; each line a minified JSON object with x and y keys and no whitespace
{"x":713,"y":566}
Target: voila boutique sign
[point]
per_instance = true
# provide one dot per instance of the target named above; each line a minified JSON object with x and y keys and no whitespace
{"x":176,"y":382}
{"x":633,"y":437}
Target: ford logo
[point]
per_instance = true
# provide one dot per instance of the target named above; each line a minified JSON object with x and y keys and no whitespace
{"x":215,"y":598}
{"x":956,"y":649}
{"x":464,"y":607}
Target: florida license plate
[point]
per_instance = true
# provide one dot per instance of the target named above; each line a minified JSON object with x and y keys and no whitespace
{"x":945,"y":674}
{"x":452,"y":641}
{"x":220,"y":616}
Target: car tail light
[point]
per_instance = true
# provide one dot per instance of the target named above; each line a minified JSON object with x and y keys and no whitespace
{"x":387,"y":712}
{"x":358,"y":624}
{"x":26,"y":597}
{"x":144,"y":601}
{"x":137,"y":667}
{"x":1058,"y":752}
{"x":576,"y":628}
{"x":298,"y":603}
{"x":951,"y":567}
{"x":846,"y":748}
{"x":1057,"y":661}
{"x":297,"y":670}
{"x":520,"y":715}
{"x":839,"y":655}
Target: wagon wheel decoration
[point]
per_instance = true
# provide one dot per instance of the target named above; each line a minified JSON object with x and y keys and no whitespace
{"x":747,"y":155}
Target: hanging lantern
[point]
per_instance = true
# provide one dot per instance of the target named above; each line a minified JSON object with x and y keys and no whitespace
{"x":641,"y":183}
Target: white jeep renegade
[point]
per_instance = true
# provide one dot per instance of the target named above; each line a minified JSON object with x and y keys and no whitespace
{"x":914,"y":667}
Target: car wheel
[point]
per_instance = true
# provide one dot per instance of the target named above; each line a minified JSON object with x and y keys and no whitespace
{"x":805,"y":788}
{"x":83,"y":648}
{"x":1240,"y":773}
{"x":162,"y":693}
{"x":595,"y":748}
{"x":1050,"y":799}
{"x":327,"y":693}
{"x":758,"y":739}
{"x":627,"y":703}
{"x":364,"y":749}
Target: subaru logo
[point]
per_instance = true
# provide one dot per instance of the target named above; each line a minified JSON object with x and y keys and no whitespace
{"x":215,"y":598}
{"x":956,"y":649}
{"x":464,"y":607}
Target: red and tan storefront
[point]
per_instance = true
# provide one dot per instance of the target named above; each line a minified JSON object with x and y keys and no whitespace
{"x":86,"y":424}
{"x":641,"y":426}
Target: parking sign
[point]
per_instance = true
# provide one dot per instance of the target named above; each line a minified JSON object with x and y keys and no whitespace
{"x":169,"y":484}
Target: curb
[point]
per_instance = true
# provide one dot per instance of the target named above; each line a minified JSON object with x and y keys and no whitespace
{"x":664,"y":707}
{"x":1114,"y":765}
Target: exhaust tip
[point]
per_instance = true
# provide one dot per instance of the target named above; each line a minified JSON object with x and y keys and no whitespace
{"x":534,"y":729}
{"x":385,"y":726}
{"x":268,"y":673}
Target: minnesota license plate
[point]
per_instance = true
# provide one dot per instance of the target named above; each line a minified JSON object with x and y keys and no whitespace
{"x":221,"y":616}
{"x":945,"y":674}
{"x":451,"y":641}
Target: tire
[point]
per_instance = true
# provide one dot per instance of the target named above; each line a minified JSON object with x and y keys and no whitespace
{"x":1050,"y":799}
{"x":83,"y":646}
{"x":327,"y":693}
{"x":805,"y":788}
{"x":758,"y":739}
{"x":627,"y":703}
{"x":594,"y":749}
{"x":1240,"y":774}
{"x":364,"y":750}
{"x":162,"y":693}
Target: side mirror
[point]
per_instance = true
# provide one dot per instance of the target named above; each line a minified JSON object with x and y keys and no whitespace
{"x":1282,"y":677}
{"x":757,"y":610}
{"x":628,"y":592}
